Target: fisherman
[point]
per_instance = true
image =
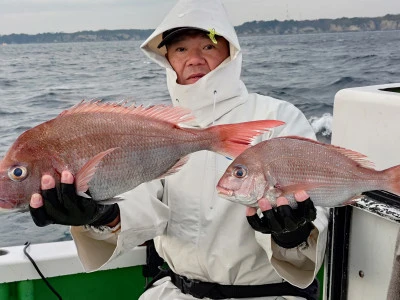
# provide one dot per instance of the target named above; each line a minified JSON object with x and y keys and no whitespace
{"x":214,"y":248}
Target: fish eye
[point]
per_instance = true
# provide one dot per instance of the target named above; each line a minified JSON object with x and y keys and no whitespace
{"x":240,"y":171}
{"x":17,"y":173}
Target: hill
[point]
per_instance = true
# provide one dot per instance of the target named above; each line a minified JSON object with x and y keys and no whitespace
{"x":388,"y":22}
{"x":80,"y":36}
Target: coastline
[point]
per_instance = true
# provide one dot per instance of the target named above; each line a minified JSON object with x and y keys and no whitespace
{"x":274,"y":27}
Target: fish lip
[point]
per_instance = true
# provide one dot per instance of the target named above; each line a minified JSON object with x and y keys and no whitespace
{"x":7,"y":205}
{"x":224,"y":192}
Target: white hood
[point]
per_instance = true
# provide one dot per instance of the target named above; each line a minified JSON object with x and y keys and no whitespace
{"x":220,"y":90}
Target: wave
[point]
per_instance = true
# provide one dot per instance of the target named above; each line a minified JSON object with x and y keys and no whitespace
{"x":322,"y":127}
{"x":315,"y":108}
{"x":343,"y":81}
{"x":393,"y":60}
{"x":146,"y":77}
{"x":349,"y":81}
{"x":9,"y":112}
{"x":22,"y":222}
{"x":363,"y":57}
{"x":4,"y":82}
{"x":43,"y":96}
{"x":322,"y":124}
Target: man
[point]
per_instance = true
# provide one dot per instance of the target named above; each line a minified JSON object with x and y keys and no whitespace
{"x":211,"y":247}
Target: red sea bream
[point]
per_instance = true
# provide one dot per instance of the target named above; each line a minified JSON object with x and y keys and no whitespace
{"x":331,"y":175}
{"x":112,"y":148}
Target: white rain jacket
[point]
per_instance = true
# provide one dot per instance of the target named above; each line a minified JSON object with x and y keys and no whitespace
{"x":200,"y":235}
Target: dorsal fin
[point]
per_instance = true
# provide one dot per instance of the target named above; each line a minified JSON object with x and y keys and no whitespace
{"x":354,"y":155}
{"x":162,"y":112}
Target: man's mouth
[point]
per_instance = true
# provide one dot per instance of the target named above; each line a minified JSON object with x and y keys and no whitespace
{"x":195,"y":76}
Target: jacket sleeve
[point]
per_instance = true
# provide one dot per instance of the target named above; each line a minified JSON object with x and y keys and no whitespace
{"x":143,"y":217}
{"x":299,"y":265}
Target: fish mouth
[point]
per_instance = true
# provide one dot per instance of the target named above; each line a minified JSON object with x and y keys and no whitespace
{"x":225,"y":192}
{"x":232,"y":196}
{"x":7,"y":206}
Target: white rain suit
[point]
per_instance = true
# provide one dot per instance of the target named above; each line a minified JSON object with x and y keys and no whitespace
{"x":200,"y":235}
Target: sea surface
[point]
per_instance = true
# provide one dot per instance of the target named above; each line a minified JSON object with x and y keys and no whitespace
{"x":38,"y":81}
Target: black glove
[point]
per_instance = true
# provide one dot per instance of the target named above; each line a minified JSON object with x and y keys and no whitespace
{"x":289,"y":227}
{"x":64,"y":206}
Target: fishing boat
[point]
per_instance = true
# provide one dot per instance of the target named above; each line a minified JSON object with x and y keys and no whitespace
{"x":361,"y":241}
{"x":362,"y":236}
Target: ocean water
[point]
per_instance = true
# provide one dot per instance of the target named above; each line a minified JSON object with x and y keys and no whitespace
{"x":38,"y":81}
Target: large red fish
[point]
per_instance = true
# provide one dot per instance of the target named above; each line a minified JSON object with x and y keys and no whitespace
{"x":112,"y":148}
{"x":331,"y":175}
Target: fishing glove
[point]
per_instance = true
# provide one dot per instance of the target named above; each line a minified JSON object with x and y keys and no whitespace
{"x":63,"y":206}
{"x":288,"y":227}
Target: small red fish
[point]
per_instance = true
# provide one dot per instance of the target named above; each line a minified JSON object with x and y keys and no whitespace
{"x":331,"y":175}
{"x":112,"y":148}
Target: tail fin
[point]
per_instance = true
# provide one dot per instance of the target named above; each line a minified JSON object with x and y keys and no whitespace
{"x":235,"y":138}
{"x":394,"y":179}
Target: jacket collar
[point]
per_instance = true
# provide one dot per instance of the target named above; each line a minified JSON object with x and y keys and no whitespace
{"x":213,"y":95}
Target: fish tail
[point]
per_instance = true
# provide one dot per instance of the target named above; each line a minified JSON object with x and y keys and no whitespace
{"x":235,"y":138}
{"x":394,"y":179}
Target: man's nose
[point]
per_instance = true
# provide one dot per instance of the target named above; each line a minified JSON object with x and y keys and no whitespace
{"x":196,"y":57}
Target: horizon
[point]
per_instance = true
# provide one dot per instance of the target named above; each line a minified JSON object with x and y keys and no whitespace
{"x":116,"y":29}
{"x":33,"y":17}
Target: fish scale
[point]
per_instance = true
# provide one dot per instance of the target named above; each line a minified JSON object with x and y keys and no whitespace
{"x":331,"y":175}
{"x":111,"y":148}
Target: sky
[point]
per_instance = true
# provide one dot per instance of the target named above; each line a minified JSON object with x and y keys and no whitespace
{"x":40,"y":16}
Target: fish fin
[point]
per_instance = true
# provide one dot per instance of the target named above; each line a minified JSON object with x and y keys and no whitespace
{"x":360,"y":158}
{"x":351,"y":201}
{"x":161,"y":112}
{"x":393,"y":184}
{"x":83,"y":194}
{"x":175,"y":168}
{"x":235,"y":138}
{"x":88,"y":170}
{"x":271,"y":180}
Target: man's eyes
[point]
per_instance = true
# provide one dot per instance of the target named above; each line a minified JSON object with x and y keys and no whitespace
{"x":206,"y":47}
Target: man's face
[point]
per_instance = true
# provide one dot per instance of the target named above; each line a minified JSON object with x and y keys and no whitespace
{"x":193,"y":56}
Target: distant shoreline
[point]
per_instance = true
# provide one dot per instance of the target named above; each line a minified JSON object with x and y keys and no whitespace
{"x":274,"y":27}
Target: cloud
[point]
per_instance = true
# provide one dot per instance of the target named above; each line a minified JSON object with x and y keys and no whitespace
{"x":31,"y":17}
{"x":33,"y":6}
